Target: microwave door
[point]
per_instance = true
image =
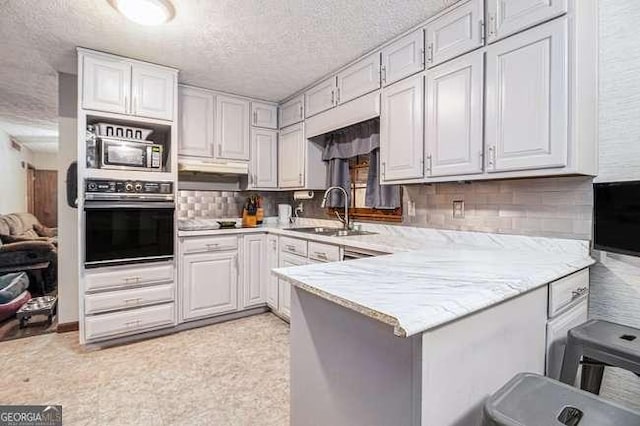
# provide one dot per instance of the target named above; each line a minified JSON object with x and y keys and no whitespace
{"x":124,"y":155}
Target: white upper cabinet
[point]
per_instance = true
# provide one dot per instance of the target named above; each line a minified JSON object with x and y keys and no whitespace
{"x":526,"y":106}
{"x":264,"y":115}
{"x":292,"y":111}
{"x":453,"y":133}
{"x":232,"y":128}
{"x":153,"y":92}
{"x":320,"y":98}
{"x":209,"y":284}
{"x":264,"y":159}
{"x":195,"y":136}
{"x":455,"y":33}
{"x":403,"y":57}
{"x":106,"y":84}
{"x":291,"y":157}
{"x":401,"y":130}
{"x":359,"y":79}
{"x":255,"y":271}
{"x":506,"y":17}
{"x":118,"y":85}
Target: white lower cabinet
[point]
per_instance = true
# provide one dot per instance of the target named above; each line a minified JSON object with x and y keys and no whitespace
{"x":284,"y":288}
{"x":115,"y":324}
{"x":254,"y":279}
{"x":272,"y":280}
{"x":557,"y":329}
{"x":209,"y":284}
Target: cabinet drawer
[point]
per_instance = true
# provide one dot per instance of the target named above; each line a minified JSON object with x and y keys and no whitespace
{"x":293,"y":245}
{"x":203,"y":244}
{"x":126,"y":276}
{"x":127,"y":322}
{"x":324,"y":252}
{"x":122,"y":299}
{"x":565,"y":291}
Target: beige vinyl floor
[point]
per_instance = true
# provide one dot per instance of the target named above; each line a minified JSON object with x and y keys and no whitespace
{"x":234,"y":373}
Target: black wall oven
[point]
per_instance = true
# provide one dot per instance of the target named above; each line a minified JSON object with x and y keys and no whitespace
{"x":128,"y":230}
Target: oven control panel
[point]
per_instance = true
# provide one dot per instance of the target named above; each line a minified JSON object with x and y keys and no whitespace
{"x":96,"y":187}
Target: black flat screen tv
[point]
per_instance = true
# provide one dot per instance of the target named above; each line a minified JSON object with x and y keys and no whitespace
{"x":617,"y":217}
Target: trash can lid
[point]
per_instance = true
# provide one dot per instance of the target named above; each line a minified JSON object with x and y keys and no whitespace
{"x":533,"y":400}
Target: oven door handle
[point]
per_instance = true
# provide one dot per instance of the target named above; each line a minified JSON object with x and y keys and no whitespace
{"x":90,"y":205}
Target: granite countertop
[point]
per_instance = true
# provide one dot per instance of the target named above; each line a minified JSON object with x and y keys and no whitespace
{"x":431,"y":277}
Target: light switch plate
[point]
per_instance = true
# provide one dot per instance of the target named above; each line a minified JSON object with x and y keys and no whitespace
{"x":458,"y":209}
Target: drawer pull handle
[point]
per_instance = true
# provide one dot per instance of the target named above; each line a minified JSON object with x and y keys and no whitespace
{"x":291,"y":248}
{"x":135,"y":300}
{"x":578,"y":292}
{"x":134,"y":323}
{"x":128,"y":280}
{"x":321,"y":255}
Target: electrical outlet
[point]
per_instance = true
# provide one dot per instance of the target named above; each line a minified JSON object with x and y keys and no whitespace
{"x":458,"y":209}
{"x":411,"y":208}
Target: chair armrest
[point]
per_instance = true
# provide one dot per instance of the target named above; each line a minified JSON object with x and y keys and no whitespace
{"x":29,"y":245}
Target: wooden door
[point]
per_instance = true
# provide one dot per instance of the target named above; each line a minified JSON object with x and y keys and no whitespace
{"x":526,"y":121}
{"x":196,"y":137}
{"x":506,"y":17}
{"x":31,"y":195}
{"x":210,"y":284}
{"x":455,"y":33}
{"x":233,"y":128}
{"x":106,"y":84}
{"x":153,"y":90}
{"x":454,"y":111}
{"x":359,"y":79}
{"x":320,"y":97}
{"x":291,"y":153}
{"x":264,"y":159}
{"x":255,"y":270}
{"x":45,"y":200}
{"x":403,"y":57}
{"x":401,"y":130}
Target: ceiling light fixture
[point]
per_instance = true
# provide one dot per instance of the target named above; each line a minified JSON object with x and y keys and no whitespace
{"x":145,"y":12}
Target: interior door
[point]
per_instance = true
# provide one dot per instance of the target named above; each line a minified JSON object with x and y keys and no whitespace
{"x":255,"y":271}
{"x":45,"y":200}
{"x":291,"y":153}
{"x":264,"y":159}
{"x":153,"y":90}
{"x":403,"y":57}
{"x":402,"y":130}
{"x":454,"y":112}
{"x":196,"y":123}
{"x":210,"y":284}
{"x":455,"y":33}
{"x":106,"y":84}
{"x":359,"y":79}
{"x":526,"y":107}
{"x":320,"y":97}
{"x":506,"y":17}
{"x":232,"y":128}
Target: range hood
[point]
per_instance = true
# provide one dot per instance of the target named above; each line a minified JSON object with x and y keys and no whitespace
{"x":213,"y":167}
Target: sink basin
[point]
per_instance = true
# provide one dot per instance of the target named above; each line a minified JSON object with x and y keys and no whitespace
{"x":331,"y":232}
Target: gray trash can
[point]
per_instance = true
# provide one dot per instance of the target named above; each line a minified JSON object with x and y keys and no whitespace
{"x":533,"y":400}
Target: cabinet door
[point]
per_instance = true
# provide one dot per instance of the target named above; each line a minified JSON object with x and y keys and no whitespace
{"x":403,"y":58}
{"x":453,"y":133}
{"x":255,"y":276}
{"x":359,"y":79}
{"x":291,"y":153}
{"x":320,"y":97}
{"x":196,"y":122}
{"x":557,"y":330}
{"x":232,"y":128}
{"x":264,"y":159}
{"x":264,"y":115}
{"x":507,"y":17}
{"x":209,"y":284}
{"x":455,"y":33}
{"x":106,"y":84}
{"x":292,"y":112}
{"x":526,"y":107}
{"x":272,"y":263}
{"x":401,"y":130}
{"x":152,"y":90}
{"x":284,"y":288}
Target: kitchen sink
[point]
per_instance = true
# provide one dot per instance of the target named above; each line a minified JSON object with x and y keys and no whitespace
{"x":331,"y":232}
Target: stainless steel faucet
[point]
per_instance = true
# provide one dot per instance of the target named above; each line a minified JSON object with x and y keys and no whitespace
{"x":345,"y":221}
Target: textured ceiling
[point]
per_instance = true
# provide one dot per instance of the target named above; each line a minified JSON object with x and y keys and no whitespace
{"x":267,"y":49}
